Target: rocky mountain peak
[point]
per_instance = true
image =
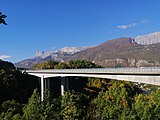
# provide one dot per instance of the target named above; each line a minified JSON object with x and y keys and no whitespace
{"x":39,"y":53}
{"x":72,"y":50}
{"x":41,"y":56}
{"x":152,"y":38}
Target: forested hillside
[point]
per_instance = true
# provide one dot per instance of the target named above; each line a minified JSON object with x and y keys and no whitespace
{"x":88,"y":98}
{"x":6,"y":65}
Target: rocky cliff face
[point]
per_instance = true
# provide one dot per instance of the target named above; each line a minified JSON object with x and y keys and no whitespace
{"x":152,"y":38}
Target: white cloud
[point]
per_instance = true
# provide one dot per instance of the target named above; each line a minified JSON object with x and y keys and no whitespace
{"x":144,"y":21}
{"x":132,"y":24}
{"x":127,"y":26}
{"x":3,"y":57}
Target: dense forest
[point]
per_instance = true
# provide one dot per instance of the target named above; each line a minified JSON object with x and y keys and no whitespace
{"x":88,"y":98}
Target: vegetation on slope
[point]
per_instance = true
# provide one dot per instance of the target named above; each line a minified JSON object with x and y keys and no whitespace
{"x":68,"y":65}
{"x":6,"y":65}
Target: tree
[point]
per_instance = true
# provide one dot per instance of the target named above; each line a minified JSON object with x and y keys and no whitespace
{"x":112,"y":104}
{"x":2,"y":17}
{"x":15,"y":85}
{"x":51,"y":107}
{"x":8,"y":115}
{"x":11,"y":110}
{"x":81,"y":64}
{"x":6,"y":65}
{"x":50,"y":64}
{"x":72,"y":106}
{"x":33,"y":110}
{"x":156,"y":111}
{"x":12,"y":104}
{"x":144,"y":107}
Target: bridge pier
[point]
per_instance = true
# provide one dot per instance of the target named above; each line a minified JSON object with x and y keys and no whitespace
{"x":64,"y":85}
{"x":42,"y":88}
{"x":45,"y":85}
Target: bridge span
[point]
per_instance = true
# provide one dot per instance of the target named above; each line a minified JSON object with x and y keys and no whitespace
{"x":140,"y":75}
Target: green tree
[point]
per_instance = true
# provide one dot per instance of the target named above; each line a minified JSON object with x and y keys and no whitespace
{"x":72,"y":106}
{"x":144,"y":106}
{"x":12,"y":104}
{"x":15,"y":85}
{"x":8,"y":115}
{"x":156,"y":95}
{"x":61,"y":65}
{"x":112,"y":104}
{"x":81,"y":64}
{"x":17,"y":117}
{"x":6,"y":65}
{"x":33,"y":110}
{"x":51,"y":107}
{"x":50,"y":64}
{"x":2,"y":17}
{"x":11,"y":110}
{"x":147,"y":106}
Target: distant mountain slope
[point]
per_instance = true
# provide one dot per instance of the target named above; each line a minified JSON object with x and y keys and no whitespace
{"x":121,"y":52}
{"x":57,"y":55}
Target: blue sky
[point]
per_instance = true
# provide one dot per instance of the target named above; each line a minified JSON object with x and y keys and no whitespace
{"x":35,"y":25}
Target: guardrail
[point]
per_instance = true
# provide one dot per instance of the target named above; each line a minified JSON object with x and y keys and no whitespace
{"x":145,"y":70}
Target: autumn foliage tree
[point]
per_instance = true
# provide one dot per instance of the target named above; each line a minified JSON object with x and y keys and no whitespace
{"x":72,"y":106}
{"x":110,"y":102}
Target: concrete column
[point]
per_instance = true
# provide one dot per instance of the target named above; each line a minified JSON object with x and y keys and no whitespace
{"x":42,"y":88}
{"x":62,"y":85}
{"x":45,"y":85}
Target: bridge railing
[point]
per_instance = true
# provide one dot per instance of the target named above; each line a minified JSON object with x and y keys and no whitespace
{"x":149,"y":70}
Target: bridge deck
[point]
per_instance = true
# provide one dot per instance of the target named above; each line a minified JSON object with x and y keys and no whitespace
{"x":100,"y":70}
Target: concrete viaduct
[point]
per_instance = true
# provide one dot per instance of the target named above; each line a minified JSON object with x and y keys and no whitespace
{"x":140,"y":75}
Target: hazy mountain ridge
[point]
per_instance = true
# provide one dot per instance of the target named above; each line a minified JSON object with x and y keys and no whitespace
{"x":67,"y":50}
{"x":57,"y":55}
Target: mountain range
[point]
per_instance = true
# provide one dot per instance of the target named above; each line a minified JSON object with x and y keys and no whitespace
{"x":57,"y":55}
{"x":141,"y":51}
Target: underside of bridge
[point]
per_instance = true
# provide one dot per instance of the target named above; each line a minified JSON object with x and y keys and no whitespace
{"x":140,"y":78}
